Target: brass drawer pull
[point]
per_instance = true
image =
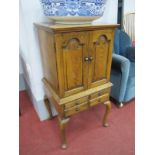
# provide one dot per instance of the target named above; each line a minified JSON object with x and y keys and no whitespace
{"x":99,"y":94}
{"x":99,"y":100}
{"x":77,"y":108}
{"x":77,"y":103}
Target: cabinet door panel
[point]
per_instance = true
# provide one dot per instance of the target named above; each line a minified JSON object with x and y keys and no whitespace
{"x":73,"y":64}
{"x":100,"y":44}
{"x":73,"y":49}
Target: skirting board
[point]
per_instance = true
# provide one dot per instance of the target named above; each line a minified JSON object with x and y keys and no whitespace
{"x":21,"y":82}
{"x":39,"y":106}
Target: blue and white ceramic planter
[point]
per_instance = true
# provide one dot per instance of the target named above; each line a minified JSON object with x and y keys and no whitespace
{"x":73,"y":11}
{"x":73,"y":7}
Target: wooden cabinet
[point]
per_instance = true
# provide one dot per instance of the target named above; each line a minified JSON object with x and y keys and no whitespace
{"x":76,"y":63}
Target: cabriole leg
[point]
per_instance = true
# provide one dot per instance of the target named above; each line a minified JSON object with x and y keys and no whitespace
{"x":62,"y":123}
{"x":48,"y":107}
{"x":108,"y":107}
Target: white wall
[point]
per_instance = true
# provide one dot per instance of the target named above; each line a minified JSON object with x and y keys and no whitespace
{"x":30,"y":12}
{"x":129,"y":6}
{"x":110,"y":13}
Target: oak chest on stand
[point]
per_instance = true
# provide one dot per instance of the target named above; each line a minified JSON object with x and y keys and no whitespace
{"x":76,"y":63}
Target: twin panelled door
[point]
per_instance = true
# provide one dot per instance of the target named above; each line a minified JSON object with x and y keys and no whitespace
{"x":83,"y":59}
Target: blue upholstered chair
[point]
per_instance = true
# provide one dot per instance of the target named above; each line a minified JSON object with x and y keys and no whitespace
{"x":123,"y":69}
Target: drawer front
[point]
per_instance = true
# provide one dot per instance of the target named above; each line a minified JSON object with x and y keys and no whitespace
{"x":76,"y":102}
{"x":85,"y":102}
{"x":99,"y":93}
{"x":99,"y":99}
{"x":76,"y":109}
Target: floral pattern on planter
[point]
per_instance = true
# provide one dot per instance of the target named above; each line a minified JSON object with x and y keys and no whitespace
{"x":73,"y":7}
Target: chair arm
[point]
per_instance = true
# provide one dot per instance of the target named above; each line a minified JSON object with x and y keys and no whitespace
{"x":130,"y":53}
{"x":121,"y":64}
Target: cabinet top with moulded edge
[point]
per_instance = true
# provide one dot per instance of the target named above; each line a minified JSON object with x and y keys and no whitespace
{"x":66,"y":28}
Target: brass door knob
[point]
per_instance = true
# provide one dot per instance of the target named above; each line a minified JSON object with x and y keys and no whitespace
{"x":90,"y":58}
{"x":86,"y":59}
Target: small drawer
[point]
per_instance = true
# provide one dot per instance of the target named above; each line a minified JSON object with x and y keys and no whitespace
{"x":99,"y":93}
{"x":99,"y":99}
{"x":76,"y":109}
{"x":76,"y":102}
